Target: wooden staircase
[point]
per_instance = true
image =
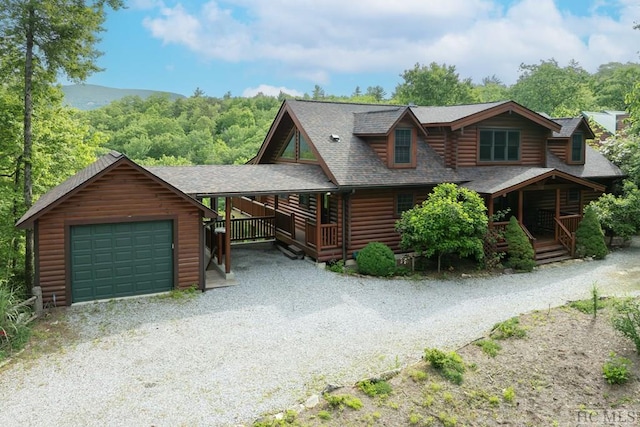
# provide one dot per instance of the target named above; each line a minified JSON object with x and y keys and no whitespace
{"x":548,"y":251}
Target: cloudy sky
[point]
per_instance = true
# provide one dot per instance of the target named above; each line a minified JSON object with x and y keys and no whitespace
{"x":247,"y":46}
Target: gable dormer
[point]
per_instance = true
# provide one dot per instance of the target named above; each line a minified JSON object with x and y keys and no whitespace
{"x":392,"y":134}
{"x":569,"y":144}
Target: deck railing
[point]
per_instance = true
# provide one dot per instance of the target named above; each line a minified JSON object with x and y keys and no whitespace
{"x":566,"y":237}
{"x":499,"y":228}
{"x":571,"y":221}
{"x":328,"y":235}
{"x":251,"y":228}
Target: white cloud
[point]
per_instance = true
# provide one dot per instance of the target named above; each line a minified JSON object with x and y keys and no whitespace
{"x":313,"y":39}
{"x":270,"y":91}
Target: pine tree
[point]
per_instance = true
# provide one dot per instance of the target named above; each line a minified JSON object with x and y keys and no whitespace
{"x":520,"y":252}
{"x":589,"y":236}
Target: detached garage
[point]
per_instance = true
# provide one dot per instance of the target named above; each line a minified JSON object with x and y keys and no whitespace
{"x":114,"y":230}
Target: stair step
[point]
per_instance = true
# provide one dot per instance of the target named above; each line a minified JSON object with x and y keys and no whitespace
{"x":296,"y":250}
{"x":550,"y":260}
{"x":287,"y":252}
{"x":551,"y":254}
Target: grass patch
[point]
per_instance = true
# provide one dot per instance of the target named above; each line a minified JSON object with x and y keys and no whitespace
{"x":377,"y":388}
{"x":450,"y":365}
{"x":616,"y":369}
{"x":489,"y":347}
{"x":507,"y":329}
{"x":341,"y":401}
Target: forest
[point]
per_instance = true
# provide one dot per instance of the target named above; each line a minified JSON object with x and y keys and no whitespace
{"x":207,"y":130}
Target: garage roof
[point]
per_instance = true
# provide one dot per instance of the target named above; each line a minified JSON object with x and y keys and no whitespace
{"x":248,"y":180}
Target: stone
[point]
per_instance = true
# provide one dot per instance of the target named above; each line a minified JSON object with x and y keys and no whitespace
{"x":312,"y":402}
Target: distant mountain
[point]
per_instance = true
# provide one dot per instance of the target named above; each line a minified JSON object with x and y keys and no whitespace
{"x":89,"y":97}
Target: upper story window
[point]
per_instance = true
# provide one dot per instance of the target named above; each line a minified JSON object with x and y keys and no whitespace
{"x":499,"y":145}
{"x":577,"y":148}
{"x":297,"y":148}
{"x":402,"y":146}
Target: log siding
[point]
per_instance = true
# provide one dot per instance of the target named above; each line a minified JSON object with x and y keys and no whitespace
{"x":124,"y":194}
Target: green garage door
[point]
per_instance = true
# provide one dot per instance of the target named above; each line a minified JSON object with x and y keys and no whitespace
{"x":122,"y":259}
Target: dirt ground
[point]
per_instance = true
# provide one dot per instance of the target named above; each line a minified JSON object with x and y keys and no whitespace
{"x":554,"y":372}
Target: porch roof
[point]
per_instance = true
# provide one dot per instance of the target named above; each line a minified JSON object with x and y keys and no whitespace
{"x":235,"y":180}
{"x":503,"y":179}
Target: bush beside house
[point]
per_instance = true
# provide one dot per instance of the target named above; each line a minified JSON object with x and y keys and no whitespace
{"x":589,"y":236}
{"x":520,"y":252}
{"x":376,"y":259}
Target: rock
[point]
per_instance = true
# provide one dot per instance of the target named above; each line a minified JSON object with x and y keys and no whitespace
{"x":312,"y":402}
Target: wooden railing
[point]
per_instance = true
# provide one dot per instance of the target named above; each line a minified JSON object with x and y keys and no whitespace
{"x":286,"y":223}
{"x":248,"y":229}
{"x":532,"y":239}
{"x":328,"y":235}
{"x":499,"y":229}
{"x":571,"y":221}
{"x":565,"y":237}
{"x":250,"y":207}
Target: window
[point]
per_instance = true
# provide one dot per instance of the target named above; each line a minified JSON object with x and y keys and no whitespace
{"x":305,"y":149}
{"x":402,"y":146}
{"x":297,"y":148}
{"x":304,"y":200}
{"x":404,"y":202}
{"x":573,"y":196}
{"x":577,"y":145}
{"x":499,"y":145}
{"x":290,"y":150}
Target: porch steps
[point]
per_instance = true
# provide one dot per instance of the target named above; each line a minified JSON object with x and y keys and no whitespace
{"x":550,"y":251}
{"x":290,"y":251}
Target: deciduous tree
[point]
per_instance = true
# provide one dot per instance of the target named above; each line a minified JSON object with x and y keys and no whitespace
{"x":451,"y":220}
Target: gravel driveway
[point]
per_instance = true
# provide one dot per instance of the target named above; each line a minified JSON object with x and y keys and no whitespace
{"x":286,"y":330}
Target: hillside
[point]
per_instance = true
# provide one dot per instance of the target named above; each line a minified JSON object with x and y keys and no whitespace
{"x":89,"y":97}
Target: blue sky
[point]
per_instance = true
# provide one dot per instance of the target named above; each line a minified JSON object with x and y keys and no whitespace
{"x":250,"y":46}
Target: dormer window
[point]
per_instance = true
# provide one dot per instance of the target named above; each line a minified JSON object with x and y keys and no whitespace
{"x":402,"y":146}
{"x":577,"y":148}
{"x":297,"y":149}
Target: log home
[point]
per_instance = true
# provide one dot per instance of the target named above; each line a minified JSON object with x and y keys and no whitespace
{"x":328,"y":179}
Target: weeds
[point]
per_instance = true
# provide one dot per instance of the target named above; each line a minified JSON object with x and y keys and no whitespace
{"x":14,"y":331}
{"x":489,"y":347}
{"x":450,"y":365}
{"x":616,"y":369}
{"x":509,"y":394}
{"x":336,"y":266}
{"x":592,"y":305}
{"x":340,"y":401}
{"x":507,"y":329}
{"x":626,"y":320}
{"x":377,"y":388}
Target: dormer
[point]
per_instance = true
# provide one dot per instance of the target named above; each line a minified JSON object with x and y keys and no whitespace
{"x":392,"y":134}
{"x":569,"y":144}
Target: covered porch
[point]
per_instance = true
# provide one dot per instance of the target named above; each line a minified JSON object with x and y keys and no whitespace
{"x":292,"y":204}
{"x":547,"y":203}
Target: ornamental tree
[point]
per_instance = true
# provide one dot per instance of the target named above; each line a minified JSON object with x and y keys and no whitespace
{"x":451,"y":221}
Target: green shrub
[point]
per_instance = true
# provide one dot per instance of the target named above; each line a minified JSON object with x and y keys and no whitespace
{"x":509,"y":394}
{"x":324,"y":415}
{"x":626,"y":320}
{"x":450,"y":365}
{"x":336,"y":266}
{"x":489,"y":347}
{"x":589,"y":236}
{"x":507,"y":329}
{"x":340,"y":401}
{"x":616,"y":369}
{"x":520,"y":252}
{"x":375,"y":388}
{"x":376,"y":259}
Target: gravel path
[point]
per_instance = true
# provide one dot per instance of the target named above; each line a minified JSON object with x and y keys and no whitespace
{"x":229,"y":355}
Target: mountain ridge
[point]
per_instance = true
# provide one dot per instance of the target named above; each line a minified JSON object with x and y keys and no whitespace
{"x":89,"y":97}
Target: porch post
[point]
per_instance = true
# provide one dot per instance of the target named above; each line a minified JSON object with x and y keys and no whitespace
{"x":557,"y":210}
{"x":580,"y":205}
{"x":490,"y":210}
{"x":227,"y":235}
{"x":520,"y":206}
{"x":318,"y":221}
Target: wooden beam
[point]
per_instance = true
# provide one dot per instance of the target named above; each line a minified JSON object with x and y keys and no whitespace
{"x":319,"y":207}
{"x":520,"y":206}
{"x":557,"y":211}
{"x":227,"y":235}
{"x":490,"y":209}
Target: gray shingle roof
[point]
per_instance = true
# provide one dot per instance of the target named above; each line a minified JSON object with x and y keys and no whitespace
{"x":377,"y":122}
{"x":73,"y":182}
{"x":595,"y":165}
{"x":230,"y":180}
{"x":569,"y":126}
{"x":493,"y":179}
{"x":428,"y":115}
{"x":352,"y":161}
